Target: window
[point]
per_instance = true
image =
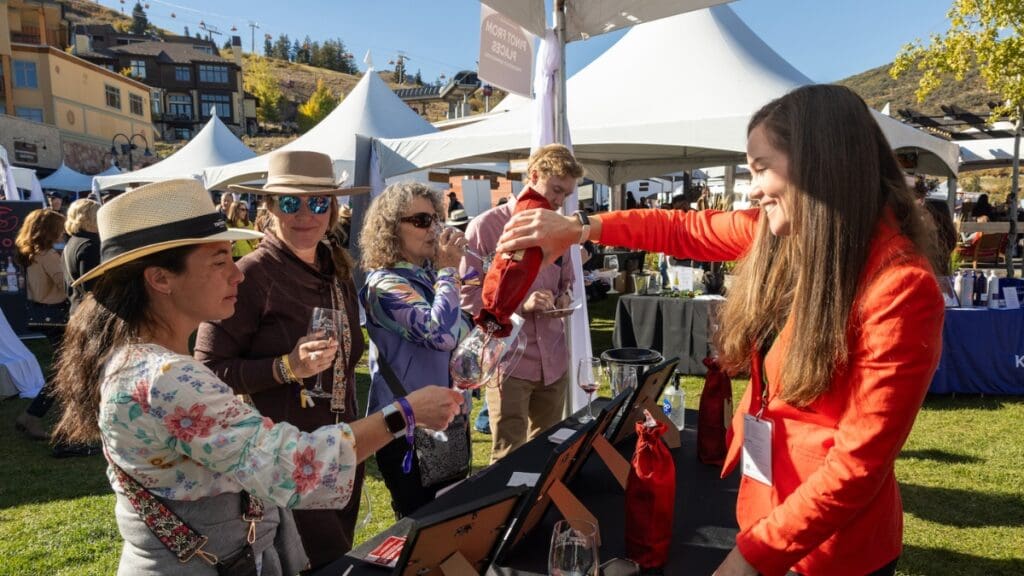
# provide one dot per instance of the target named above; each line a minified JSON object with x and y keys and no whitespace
{"x":135,"y":104}
{"x":34,"y":114}
{"x":113,"y":96}
{"x":221,"y":101}
{"x":179,"y":105}
{"x":182,"y":133}
{"x":203,"y":48}
{"x":138,"y":68}
{"x":25,"y":74}
{"x":157,"y":105}
{"x":213,"y":74}
{"x":182,"y":73}
{"x":3,"y":108}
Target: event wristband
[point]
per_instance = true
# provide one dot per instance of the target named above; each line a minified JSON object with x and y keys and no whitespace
{"x":288,"y":373}
{"x":410,"y":433}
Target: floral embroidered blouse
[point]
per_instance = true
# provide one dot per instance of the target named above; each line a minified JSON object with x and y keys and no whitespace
{"x":171,"y":424}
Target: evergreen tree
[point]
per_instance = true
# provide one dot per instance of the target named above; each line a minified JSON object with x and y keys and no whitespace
{"x":418,"y":78}
{"x":268,"y":46}
{"x":321,"y":102}
{"x":296,"y":51}
{"x":260,"y":82}
{"x":187,"y":33}
{"x":283,"y":48}
{"x":315,"y":59}
{"x":139,"y":21}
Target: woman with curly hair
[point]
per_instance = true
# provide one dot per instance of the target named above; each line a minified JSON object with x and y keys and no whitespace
{"x":411,"y":298}
{"x":47,"y":299}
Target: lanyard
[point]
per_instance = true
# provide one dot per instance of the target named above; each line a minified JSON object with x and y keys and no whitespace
{"x":762,"y":377}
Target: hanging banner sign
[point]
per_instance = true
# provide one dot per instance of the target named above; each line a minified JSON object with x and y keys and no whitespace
{"x":506,"y":53}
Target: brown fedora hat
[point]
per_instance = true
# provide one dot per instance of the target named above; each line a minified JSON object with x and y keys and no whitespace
{"x":302,"y":173}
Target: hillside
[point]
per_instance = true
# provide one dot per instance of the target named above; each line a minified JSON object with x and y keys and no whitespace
{"x":877,"y":88}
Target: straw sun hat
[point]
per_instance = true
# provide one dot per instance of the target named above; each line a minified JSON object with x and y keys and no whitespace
{"x":302,"y":173}
{"x":159,"y":217}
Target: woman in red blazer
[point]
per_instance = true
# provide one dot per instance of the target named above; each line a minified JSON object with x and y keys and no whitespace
{"x":835,"y":313}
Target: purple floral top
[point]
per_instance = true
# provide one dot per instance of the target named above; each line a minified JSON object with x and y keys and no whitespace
{"x":171,"y":424}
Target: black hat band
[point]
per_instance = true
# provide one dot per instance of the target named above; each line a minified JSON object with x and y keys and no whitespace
{"x":198,"y":227}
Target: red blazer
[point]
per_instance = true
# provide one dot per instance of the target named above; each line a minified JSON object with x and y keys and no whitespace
{"x":834,"y":507}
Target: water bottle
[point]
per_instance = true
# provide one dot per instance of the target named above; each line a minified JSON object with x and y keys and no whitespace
{"x":673,"y":404}
{"x":12,"y":276}
{"x":958,"y":284}
{"x":966,"y":292}
{"x":992,"y":288}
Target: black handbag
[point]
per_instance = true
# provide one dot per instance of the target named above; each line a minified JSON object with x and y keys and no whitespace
{"x":441,"y":461}
{"x":47,"y":315}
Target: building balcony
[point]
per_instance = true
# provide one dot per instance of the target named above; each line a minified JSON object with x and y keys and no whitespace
{"x":33,"y":35}
{"x":174,"y":118}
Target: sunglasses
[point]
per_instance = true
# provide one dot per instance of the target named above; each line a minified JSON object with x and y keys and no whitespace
{"x":316,"y":204}
{"x":421,"y":219}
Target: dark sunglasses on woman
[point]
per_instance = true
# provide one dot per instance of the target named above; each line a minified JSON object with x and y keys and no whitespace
{"x":317,"y":204}
{"x":421,"y":219}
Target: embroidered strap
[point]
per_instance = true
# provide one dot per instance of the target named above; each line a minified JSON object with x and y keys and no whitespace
{"x":184,"y":542}
{"x":340,"y":382}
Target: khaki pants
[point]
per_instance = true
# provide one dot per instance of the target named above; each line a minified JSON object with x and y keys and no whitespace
{"x":521,"y":410}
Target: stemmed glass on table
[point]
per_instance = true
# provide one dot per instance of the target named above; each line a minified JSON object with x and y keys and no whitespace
{"x":573,"y":550}
{"x":612,"y":263}
{"x":323,"y":324}
{"x":587,"y":377}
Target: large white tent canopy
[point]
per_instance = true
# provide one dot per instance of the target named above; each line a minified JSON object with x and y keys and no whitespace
{"x":71,"y":180}
{"x":672,"y":94}
{"x":370,"y":109}
{"x":986,"y":153}
{"x":214,"y":144}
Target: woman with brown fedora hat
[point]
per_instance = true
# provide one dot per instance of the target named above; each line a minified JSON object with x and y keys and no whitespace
{"x":294,"y":270}
{"x":202,"y":479}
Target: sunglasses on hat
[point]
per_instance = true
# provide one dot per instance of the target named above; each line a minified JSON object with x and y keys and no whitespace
{"x":421,"y":219}
{"x":317,"y":204}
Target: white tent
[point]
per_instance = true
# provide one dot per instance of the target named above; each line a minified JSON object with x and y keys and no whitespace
{"x":71,"y":180}
{"x":215,"y":144}
{"x":713,"y":72}
{"x":370,"y":109}
{"x":986,"y":153}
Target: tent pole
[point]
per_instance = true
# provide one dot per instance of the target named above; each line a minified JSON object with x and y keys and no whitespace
{"x":559,"y":108}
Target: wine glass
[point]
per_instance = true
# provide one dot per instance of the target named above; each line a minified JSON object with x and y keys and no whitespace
{"x":485,"y":260}
{"x":324,"y":325}
{"x":586,"y":377}
{"x":611,"y":262}
{"x":573,"y":550}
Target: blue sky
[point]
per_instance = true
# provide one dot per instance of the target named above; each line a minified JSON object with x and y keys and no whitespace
{"x":825,"y":39}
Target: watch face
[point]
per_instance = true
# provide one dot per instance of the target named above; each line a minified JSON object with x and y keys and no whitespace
{"x":395,"y":422}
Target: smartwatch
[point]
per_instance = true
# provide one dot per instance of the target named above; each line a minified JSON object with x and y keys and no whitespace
{"x":584,"y":220}
{"x":394,"y":420}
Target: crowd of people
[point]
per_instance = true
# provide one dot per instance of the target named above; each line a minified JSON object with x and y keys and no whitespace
{"x":248,"y":448}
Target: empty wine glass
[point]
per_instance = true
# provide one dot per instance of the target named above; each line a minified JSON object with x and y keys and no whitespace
{"x":324,"y":324}
{"x":611,"y":262}
{"x":573,"y":550}
{"x":485,"y":260}
{"x":586,"y":376}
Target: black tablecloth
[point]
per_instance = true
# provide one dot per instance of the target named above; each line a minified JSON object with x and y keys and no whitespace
{"x":676,"y":327}
{"x":705,"y":524}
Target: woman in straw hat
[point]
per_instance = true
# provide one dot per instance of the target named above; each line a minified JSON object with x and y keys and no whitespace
{"x":184,"y":453}
{"x":293,"y":271}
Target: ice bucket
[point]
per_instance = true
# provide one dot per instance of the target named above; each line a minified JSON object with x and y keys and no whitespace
{"x":625,"y":365}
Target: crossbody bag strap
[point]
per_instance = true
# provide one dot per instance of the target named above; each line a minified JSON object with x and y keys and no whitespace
{"x":397,"y":390}
{"x":184,"y":542}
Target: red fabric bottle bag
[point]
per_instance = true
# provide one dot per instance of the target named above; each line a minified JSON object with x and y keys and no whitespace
{"x":511,"y":275}
{"x":715,"y":414}
{"x":650,"y":498}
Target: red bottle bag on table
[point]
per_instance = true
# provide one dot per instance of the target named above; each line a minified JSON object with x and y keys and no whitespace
{"x":715,"y":414}
{"x":650,"y":498}
{"x":508,"y":281}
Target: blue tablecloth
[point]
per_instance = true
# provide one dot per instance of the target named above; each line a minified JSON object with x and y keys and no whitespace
{"x":982,"y":352}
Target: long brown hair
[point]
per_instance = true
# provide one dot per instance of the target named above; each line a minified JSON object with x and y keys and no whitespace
{"x":110,"y":317}
{"x":39,"y":232}
{"x":844,"y":178}
{"x":233,"y":215}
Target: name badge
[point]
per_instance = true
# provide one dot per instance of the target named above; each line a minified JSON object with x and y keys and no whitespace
{"x":757,"y":449}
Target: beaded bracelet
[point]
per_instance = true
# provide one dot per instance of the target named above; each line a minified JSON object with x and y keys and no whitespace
{"x":410,"y":433}
{"x":288,"y":373}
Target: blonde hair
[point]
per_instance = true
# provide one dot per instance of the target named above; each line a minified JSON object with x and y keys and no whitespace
{"x":81,"y":216}
{"x":379,"y":240}
{"x":554,"y":160}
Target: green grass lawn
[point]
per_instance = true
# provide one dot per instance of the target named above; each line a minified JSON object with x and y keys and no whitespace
{"x":960,"y":473}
